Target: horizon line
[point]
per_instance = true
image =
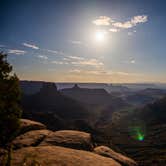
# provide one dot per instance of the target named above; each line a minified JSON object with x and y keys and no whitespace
{"x":95,"y":82}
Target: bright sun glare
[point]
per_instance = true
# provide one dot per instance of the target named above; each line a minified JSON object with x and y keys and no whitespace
{"x":100,"y":36}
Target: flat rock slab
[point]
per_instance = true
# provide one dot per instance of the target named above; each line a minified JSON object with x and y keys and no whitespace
{"x":107,"y":152}
{"x":59,"y":156}
{"x":30,"y":138}
{"x":28,"y":125}
{"x":70,"y":138}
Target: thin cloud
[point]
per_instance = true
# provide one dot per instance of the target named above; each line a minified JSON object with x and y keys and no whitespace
{"x":108,"y":21}
{"x":75,"y":71}
{"x":42,"y":57}
{"x":139,"y":19}
{"x":121,"y":73}
{"x":76,"y":57}
{"x":16,"y":52}
{"x":90,"y":62}
{"x":133,"y":22}
{"x":132,"y":61}
{"x":124,"y":25}
{"x":114,"y":30}
{"x":130,"y":33}
{"x":103,"y":73}
{"x":52,"y":51}
{"x":30,"y":46}
{"x":91,"y":72}
{"x":103,"y":20}
{"x":59,"y":62}
{"x":66,"y":59}
{"x":77,"y":42}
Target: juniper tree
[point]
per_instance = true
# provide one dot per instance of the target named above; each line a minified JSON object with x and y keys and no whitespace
{"x":10,"y":111}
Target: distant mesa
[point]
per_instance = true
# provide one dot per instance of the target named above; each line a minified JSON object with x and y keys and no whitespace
{"x":76,"y":86}
{"x":48,"y":87}
{"x":87,"y":91}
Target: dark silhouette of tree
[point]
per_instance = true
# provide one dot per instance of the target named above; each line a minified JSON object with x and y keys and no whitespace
{"x":10,"y":111}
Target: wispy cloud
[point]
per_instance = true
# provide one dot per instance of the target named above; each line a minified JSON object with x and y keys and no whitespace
{"x":108,"y":21}
{"x":130,"y":33}
{"x":121,"y":73}
{"x":33,"y":46}
{"x":30,"y":46}
{"x":59,"y":62}
{"x":16,"y":52}
{"x":52,"y":51}
{"x":132,"y":22}
{"x":90,"y":62}
{"x":132,"y":61}
{"x":42,"y":57}
{"x":102,"y":20}
{"x":79,"y":61}
{"x":76,"y":57}
{"x":114,"y":30}
{"x":109,"y":72}
{"x":102,"y":73}
{"x":91,"y":72}
{"x":56,"y":52}
{"x":123,"y":25}
{"x":139,"y":19}
{"x":77,"y":42}
{"x":75,"y":71}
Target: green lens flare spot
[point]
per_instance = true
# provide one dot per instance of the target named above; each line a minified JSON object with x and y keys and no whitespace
{"x":137,"y":132}
{"x":140,"y":136}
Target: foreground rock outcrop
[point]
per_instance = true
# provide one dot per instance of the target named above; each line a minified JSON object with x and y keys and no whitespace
{"x":71,"y":139}
{"x":28,"y":125}
{"x":40,"y":147}
{"x":107,"y":152}
{"x":59,"y":156}
{"x":30,"y":138}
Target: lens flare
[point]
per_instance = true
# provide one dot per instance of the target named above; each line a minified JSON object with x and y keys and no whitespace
{"x":140,"y":136}
{"x":137,"y":131}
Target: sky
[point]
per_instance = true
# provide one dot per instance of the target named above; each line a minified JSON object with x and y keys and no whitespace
{"x":108,"y":41}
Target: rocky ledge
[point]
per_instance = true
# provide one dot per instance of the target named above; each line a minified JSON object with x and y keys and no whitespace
{"x":40,"y":147}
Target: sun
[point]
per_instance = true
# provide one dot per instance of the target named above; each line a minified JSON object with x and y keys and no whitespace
{"x":100,"y":36}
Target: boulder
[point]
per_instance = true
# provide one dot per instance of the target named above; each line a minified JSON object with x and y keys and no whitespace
{"x":59,"y":156}
{"x":107,"y":152}
{"x":30,"y":138}
{"x":28,"y":125}
{"x":70,"y":138}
